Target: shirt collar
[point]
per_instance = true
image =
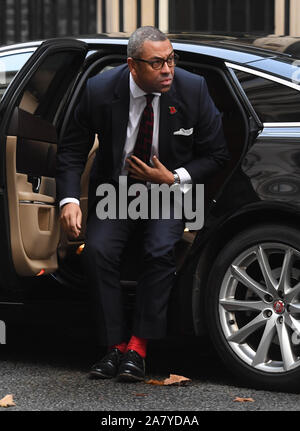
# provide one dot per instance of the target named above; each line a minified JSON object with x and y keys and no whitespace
{"x":136,"y":91}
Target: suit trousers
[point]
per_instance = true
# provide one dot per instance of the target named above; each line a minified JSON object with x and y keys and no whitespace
{"x":102,"y":256}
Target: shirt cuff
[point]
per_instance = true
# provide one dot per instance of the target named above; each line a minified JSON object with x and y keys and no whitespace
{"x":185,"y":178}
{"x":67,"y":201}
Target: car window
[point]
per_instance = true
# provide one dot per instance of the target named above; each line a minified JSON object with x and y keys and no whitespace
{"x":272,"y":101}
{"x":10,"y":64}
{"x":44,"y":92}
{"x":109,"y":66}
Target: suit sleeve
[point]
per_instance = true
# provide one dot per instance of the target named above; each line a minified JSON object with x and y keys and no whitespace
{"x":73,"y":150}
{"x":210,"y":149}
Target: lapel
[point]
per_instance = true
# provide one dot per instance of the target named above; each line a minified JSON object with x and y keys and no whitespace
{"x":120,"y":114}
{"x":170,"y":112}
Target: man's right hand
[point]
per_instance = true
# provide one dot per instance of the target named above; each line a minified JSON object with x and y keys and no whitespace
{"x":70,"y":218}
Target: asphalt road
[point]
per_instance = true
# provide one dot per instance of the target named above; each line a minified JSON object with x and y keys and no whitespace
{"x":45,"y":374}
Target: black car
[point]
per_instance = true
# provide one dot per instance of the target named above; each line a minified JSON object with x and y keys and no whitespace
{"x":238,"y":277}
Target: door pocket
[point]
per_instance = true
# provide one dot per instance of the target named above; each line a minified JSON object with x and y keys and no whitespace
{"x":39,"y":230}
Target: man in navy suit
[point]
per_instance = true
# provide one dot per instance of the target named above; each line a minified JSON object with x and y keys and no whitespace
{"x":142,"y":107}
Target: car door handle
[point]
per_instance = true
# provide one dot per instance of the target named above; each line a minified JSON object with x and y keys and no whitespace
{"x":36,"y":183}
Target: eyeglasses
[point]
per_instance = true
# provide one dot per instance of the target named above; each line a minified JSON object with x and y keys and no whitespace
{"x":159,"y":63}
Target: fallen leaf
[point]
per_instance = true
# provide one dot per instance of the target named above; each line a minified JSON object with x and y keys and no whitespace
{"x":7,"y":401}
{"x":154,"y":382}
{"x":141,"y":395}
{"x":174,"y":379}
{"x":243,"y":400}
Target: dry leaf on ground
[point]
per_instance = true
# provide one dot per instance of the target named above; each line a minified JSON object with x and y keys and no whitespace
{"x":154,"y":382}
{"x":7,"y":401}
{"x":243,"y":400}
{"x":174,"y":379}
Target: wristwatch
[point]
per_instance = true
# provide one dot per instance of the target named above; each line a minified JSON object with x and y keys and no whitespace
{"x":176,"y":178}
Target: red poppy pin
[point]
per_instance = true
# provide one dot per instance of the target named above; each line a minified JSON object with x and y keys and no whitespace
{"x":172,"y":110}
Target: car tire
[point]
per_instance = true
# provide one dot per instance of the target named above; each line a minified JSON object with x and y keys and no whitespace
{"x":253,"y":306}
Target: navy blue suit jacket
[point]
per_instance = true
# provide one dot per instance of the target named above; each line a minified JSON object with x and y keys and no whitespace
{"x":104,"y":110}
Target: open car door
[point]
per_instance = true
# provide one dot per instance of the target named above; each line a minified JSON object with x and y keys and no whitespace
{"x":30,"y":111}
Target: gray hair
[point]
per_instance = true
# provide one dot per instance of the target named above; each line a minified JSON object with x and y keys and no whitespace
{"x":139,"y":36}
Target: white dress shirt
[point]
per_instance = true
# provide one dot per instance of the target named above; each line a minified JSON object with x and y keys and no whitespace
{"x":136,"y":107}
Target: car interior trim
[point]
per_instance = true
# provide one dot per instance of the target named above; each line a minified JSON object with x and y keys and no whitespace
{"x":34,"y":226}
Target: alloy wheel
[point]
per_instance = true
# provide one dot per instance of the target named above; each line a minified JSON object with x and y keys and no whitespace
{"x":259,"y":307}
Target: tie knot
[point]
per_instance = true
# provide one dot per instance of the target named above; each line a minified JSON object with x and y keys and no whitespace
{"x":149,"y":98}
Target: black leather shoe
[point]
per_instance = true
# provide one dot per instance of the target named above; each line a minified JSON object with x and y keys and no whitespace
{"x":108,"y":366}
{"x":132,"y":367}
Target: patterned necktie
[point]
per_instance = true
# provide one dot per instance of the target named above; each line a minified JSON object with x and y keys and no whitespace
{"x":143,"y":144}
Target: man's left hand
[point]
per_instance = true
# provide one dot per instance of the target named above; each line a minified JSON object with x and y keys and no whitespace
{"x":157,"y":174}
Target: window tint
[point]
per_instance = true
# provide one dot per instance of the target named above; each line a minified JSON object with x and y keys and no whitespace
{"x":47,"y":87}
{"x":272,"y":102}
{"x":9,"y":66}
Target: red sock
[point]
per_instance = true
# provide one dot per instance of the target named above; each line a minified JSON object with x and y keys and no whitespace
{"x":138,"y":344}
{"x":122,"y":347}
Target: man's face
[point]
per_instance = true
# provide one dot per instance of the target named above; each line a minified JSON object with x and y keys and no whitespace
{"x":147,"y":78}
